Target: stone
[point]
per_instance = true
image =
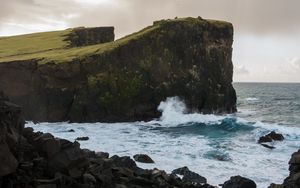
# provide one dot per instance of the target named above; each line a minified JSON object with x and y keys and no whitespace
{"x":189,"y":176}
{"x":273,"y":136}
{"x":123,"y":162}
{"x":239,"y":182}
{"x":143,"y":158}
{"x":268,"y":146}
{"x":104,"y":155}
{"x":8,"y":162}
{"x":295,"y":159}
{"x":84,"y":138}
{"x":89,"y":179}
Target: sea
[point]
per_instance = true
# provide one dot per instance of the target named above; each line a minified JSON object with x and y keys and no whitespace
{"x":214,"y":146}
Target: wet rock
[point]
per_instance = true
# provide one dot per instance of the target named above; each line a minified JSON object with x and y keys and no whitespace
{"x":123,"y":162}
{"x":143,"y":158}
{"x":8,"y":161}
{"x":189,"y":176}
{"x":71,"y":130}
{"x":89,"y":179}
{"x":239,"y":182}
{"x":268,"y":146}
{"x":104,"y":155}
{"x":273,"y":136}
{"x":84,"y":138}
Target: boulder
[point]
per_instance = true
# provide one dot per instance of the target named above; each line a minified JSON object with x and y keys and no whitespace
{"x":189,"y":176}
{"x":239,"y":182}
{"x":268,"y":146}
{"x":273,"y":136}
{"x":143,"y":158}
{"x":9,"y":163}
{"x":84,"y":138}
{"x":104,"y":155}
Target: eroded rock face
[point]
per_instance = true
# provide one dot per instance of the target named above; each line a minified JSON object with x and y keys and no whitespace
{"x":88,"y":36}
{"x":11,"y":124}
{"x":189,"y":58}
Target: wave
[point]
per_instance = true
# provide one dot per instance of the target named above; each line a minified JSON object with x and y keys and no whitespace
{"x":251,"y":99}
{"x":174,"y":114}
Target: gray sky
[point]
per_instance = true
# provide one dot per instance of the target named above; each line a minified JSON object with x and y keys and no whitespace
{"x":267,"y":32}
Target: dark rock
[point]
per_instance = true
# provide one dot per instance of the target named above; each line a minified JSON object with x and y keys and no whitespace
{"x":9,"y":163}
{"x":143,"y":158}
{"x":71,"y":130}
{"x":84,"y":138}
{"x":273,"y":136}
{"x":268,"y":146}
{"x":189,"y":176}
{"x":239,"y":182}
{"x":82,"y":36}
{"x":89,"y":179}
{"x":104,"y":155}
{"x":123,"y":162}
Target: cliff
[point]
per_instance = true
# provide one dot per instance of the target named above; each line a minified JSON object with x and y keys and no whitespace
{"x":122,"y":80}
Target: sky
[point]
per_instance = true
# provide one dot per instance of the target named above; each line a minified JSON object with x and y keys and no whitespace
{"x":266,"y":38}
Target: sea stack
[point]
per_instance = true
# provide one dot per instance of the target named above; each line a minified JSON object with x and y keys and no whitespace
{"x":82,"y":75}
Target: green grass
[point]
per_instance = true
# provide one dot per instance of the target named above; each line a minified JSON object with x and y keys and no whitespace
{"x":32,"y":43}
{"x":51,"y":46}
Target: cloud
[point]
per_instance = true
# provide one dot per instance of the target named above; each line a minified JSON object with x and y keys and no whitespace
{"x":295,"y":63}
{"x":254,"y":16}
{"x":241,"y":70}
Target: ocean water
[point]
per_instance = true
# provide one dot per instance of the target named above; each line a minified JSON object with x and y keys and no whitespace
{"x":216,"y":147}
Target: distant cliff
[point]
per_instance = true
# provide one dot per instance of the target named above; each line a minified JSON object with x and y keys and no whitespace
{"x":56,"y":79}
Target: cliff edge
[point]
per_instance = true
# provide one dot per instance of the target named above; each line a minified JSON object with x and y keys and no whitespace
{"x":55,"y":79}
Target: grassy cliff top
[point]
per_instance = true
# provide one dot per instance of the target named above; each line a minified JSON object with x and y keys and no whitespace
{"x":52,"y":46}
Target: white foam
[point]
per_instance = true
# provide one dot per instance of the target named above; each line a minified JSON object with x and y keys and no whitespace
{"x":251,"y":99}
{"x":174,"y":114}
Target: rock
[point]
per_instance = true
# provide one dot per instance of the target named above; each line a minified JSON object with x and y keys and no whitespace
{"x":239,"y":182}
{"x":89,"y":179}
{"x":84,"y":138}
{"x":267,"y":146}
{"x":270,"y":137}
{"x":185,"y":57}
{"x":71,"y":130}
{"x":123,"y":162}
{"x":104,"y":155}
{"x":67,"y":159}
{"x":142,"y":158}
{"x":189,"y":176}
{"x":9,"y":163}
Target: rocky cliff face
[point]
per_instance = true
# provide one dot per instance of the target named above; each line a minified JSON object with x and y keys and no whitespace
{"x":125,"y":80}
{"x":88,"y":36}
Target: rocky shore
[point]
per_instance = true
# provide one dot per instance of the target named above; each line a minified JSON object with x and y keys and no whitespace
{"x":39,"y":160}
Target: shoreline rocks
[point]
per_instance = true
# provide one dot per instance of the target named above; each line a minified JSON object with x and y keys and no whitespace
{"x":143,"y":158}
{"x":272,"y":136}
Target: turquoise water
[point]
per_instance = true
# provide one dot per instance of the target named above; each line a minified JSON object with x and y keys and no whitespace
{"x":216,"y":147}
